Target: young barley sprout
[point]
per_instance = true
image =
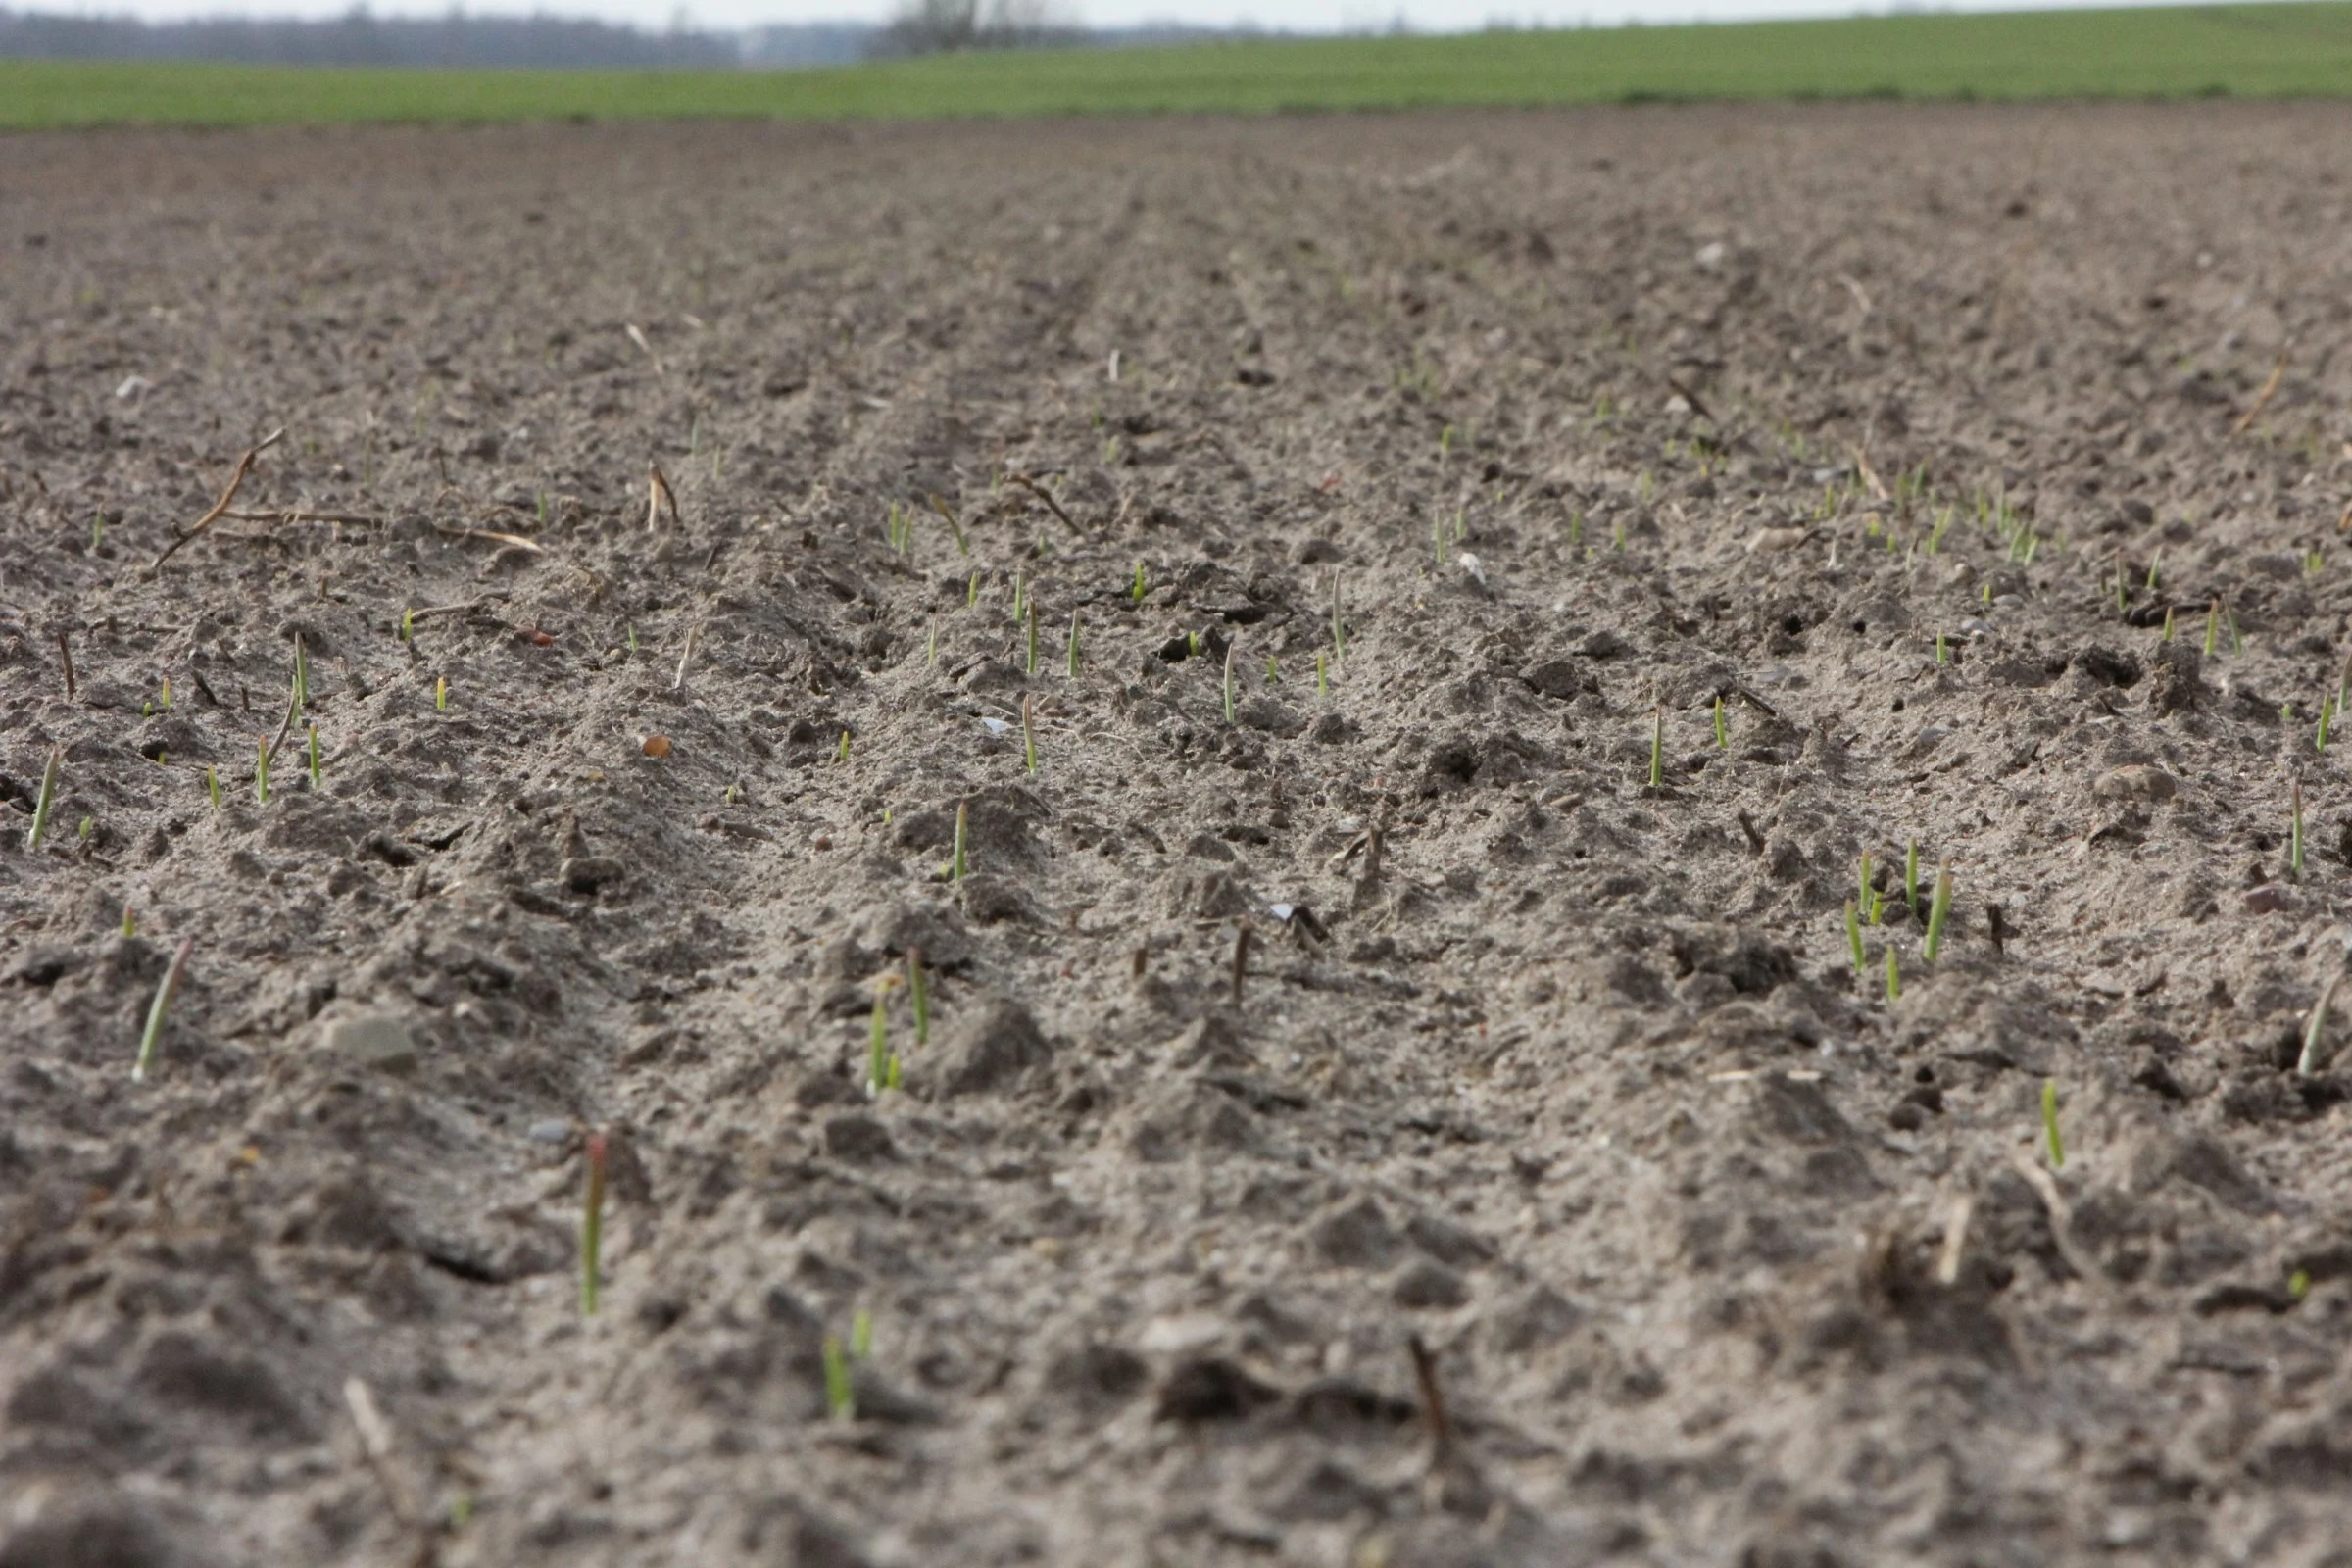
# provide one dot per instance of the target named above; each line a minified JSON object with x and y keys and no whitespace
{"x":47,"y":799}
{"x":2315,"y":1031}
{"x":1723,"y":739}
{"x":1938,"y":909}
{"x":592,"y":1226}
{"x":1073,"y":644}
{"x":956,"y":866}
{"x":1028,"y":733}
{"x":1657,"y":748}
{"x":918,"y":992}
{"x":861,"y":1335}
{"x":2049,"y":1123}
{"x":1854,"y":936}
{"x":1230,"y":649}
{"x":841,"y":1403}
{"x":160,"y":1007}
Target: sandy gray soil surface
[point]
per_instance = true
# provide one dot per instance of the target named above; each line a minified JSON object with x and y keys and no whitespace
{"x":1895,"y":436}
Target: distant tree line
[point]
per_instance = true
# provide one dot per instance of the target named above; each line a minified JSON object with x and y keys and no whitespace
{"x":359,"y":37}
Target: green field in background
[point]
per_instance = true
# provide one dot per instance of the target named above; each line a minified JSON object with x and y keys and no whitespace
{"x":2298,"y":50}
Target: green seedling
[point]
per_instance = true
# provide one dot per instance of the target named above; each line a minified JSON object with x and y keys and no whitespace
{"x":861,"y":1335}
{"x":918,"y":993}
{"x":1984,"y":592}
{"x":592,"y":1226}
{"x":1192,"y":645}
{"x":97,"y":529}
{"x":1339,"y":629}
{"x":1657,"y":748}
{"x":947,"y":515}
{"x":1576,"y":531}
{"x":1137,"y":589}
{"x":840,"y":1402}
{"x":2315,"y":1053}
{"x":131,"y":923}
{"x":1230,"y":649}
{"x":1911,"y":876}
{"x":212,"y":785}
{"x":88,"y":826}
{"x":1436,"y":539}
{"x":1073,"y":644}
{"x":2049,"y":1123}
{"x":962,"y":816}
{"x":932,"y":655}
{"x":2294,"y":832}
{"x":2213,"y":627}
{"x":1032,"y":636}
{"x":1273,"y":671}
{"x":408,"y":624}
{"x":632,"y":631}
{"x":2326,"y":712}
{"x":1895,"y":976}
{"x":167,"y":697}
{"x":1722,"y":735}
{"x":314,"y":755}
{"x":1940,"y":907}
{"x":2168,"y":623}
{"x":46,"y":801}
{"x":261,"y":776}
{"x":1617,"y":538}
{"x":1864,"y":880}
{"x":1444,"y":451}
{"x":843,"y":754}
{"x":898,"y":528}
{"x":160,"y":1010}
{"x":441,"y":695}
{"x":1028,"y":733}
{"x":2298,"y":1284}
{"x":2237,"y":644}
{"x":1322,"y":681}
{"x":1461,"y":523}
{"x":1021,"y":596}
{"x":971,"y":592}
{"x":1942,"y":654}
{"x":878,"y":1064}
{"x":1854,"y":936}
{"x":2154,"y":564}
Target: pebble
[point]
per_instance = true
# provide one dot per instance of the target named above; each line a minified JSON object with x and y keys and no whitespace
{"x":373,"y":1040}
{"x":550,"y":1130}
{"x":2139,"y":781}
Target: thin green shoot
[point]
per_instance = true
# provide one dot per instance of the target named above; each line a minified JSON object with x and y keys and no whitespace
{"x":314,"y":757}
{"x":1854,"y":936}
{"x":1230,"y":649}
{"x":877,"y":1044}
{"x":933,"y":654}
{"x":89,"y":825}
{"x":971,"y":592}
{"x":130,"y":922}
{"x":2154,"y":566}
{"x":861,"y":1335}
{"x":1021,"y":596}
{"x":2314,"y":1057}
{"x":2237,"y":644}
{"x":1895,"y":976}
{"x":1942,"y":654}
{"x":1074,"y":643}
{"x":1141,"y":586}
{"x":2213,"y":627}
{"x":592,"y":1226}
{"x":956,"y":868}
{"x":632,"y":630}
{"x":441,"y":695}
{"x":947,"y":515}
{"x":212,"y":785}
{"x":160,"y":1008}
{"x":2049,"y":1124}
{"x":166,"y":703}
{"x":46,"y":801}
{"x":1723,"y":734}
{"x":1940,"y":907}
{"x":843,"y":754}
{"x":2326,"y":712}
{"x":1273,"y":671}
{"x":408,"y":624}
{"x":1864,"y":879}
{"x":1032,"y":636}
{"x":1339,"y":629}
{"x":2294,"y":841}
{"x":1657,"y":748}
{"x":2298,"y":1284}
{"x":1028,"y":732}
{"x":1576,"y":531}
{"x":840,"y":1402}
{"x":1322,"y":681}
{"x":2168,"y":623}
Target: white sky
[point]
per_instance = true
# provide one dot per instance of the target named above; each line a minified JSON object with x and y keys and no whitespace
{"x":1300,"y":16}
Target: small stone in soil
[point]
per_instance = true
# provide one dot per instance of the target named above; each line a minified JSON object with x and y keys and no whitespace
{"x":373,"y":1040}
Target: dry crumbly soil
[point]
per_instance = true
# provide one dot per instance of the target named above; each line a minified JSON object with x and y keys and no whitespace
{"x":1719,"y":1256}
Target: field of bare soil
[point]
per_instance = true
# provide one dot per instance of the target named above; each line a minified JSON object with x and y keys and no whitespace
{"x":1396,"y":1082}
